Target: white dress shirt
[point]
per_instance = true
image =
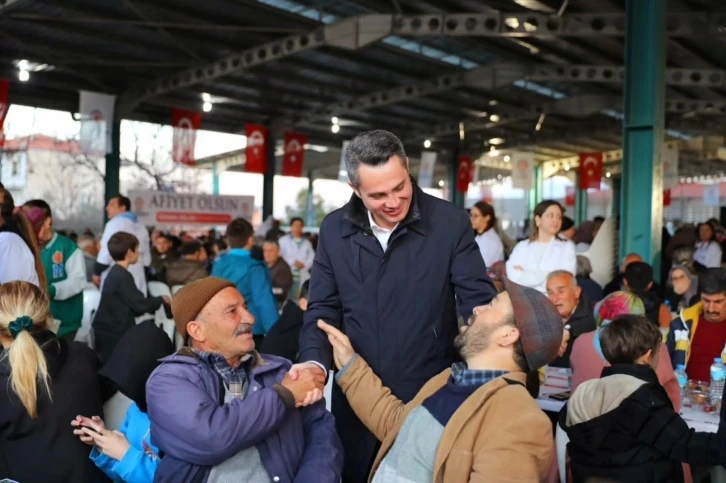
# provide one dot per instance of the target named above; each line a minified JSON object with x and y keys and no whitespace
{"x":381,"y":234}
{"x":540,"y":259}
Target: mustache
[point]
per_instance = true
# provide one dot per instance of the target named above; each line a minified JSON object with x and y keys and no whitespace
{"x":243,"y":329}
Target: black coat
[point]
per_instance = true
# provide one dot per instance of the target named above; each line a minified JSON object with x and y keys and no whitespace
{"x":398,"y":307}
{"x":284,"y":337}
{"x":581,"y":321}
{"x":45,"y":450}
{"x":642,"y":440}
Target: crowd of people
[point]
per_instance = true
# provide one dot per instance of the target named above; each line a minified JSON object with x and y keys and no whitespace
{"x":436,"y":325}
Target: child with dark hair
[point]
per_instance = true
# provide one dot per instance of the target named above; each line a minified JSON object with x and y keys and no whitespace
{"x":250,"y":275}
{"x":638,"y":278}
{"x":121,"y":301}
{"x":623,"y":426}
{"x":128,"y":454}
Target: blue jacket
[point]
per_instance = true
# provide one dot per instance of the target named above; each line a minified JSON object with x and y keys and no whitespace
{"x":140,"y":461}
{"x":252,"y":278}
{"x":399,"y":308}
{"x":196,"y":430}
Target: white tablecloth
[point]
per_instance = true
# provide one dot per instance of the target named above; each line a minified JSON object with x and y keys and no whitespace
{"x":695,"y":418}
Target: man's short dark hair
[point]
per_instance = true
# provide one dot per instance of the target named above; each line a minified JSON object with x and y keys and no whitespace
{"x":567,"y":223}
{"x":120,"y":243}
{"x":239,"y":232}
{"x":599,"y":219}
{"x":628,"y":337}
{"x":190,"y":248}
{"x":712,"y":281}
{"x":372,"y":148}
{"x":123,"y":201}
{"x":42,"y":204}
{"x":638,"y":275}
{"x":297,"y":218}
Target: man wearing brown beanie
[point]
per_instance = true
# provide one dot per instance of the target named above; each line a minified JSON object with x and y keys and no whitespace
{"x":220,"y":411}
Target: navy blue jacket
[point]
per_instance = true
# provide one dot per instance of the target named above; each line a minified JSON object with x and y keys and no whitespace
{"x":398,"y":308}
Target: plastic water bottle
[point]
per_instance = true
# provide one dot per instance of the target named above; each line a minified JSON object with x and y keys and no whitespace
{"x":718,"y":374}
{"x":682,"y":378}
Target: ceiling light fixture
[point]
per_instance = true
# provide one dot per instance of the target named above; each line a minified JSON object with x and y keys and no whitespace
{"x":335,"y":128}
{"x":207,"y":106}
{"x":427,"y":143}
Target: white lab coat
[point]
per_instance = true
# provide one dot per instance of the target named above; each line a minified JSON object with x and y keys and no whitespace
{"x":301,"y":250}
{"x":127,"y":222}
{"x":491,"y":247}
{"x":16,"y":260}
{"x":557,"y":255}
{"x":708,"y":254}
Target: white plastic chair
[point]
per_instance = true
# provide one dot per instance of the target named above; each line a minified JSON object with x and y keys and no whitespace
{"x":176,"y":288}
{"x":561,"y":440}
{"x":91,"y":299}
{"x":114,"y":411}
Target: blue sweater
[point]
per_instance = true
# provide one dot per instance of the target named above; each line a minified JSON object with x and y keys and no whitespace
{"x":252,"y":278}
{"x":140,"y":461}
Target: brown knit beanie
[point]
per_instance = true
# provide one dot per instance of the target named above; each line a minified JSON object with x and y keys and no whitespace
{"x":191,"y":299}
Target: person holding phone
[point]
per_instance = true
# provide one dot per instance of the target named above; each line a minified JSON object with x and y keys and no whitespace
{"x":128,"y":454}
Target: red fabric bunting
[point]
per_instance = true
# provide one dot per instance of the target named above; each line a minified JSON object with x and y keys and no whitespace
{"x":256,"y":150}
{"x":186,"y":124}
{"x":590,"y":170}
{"x":292,"y":161}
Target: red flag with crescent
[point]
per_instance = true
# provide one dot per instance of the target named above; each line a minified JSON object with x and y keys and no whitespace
{"x":465,"y":174}
{"x":185,"y":125}
{"x":570,"y":196}
{"x":4,"y":107}
{"x":590,"y":170}
{"x":292,"y":161}
{"x":256,"y":150}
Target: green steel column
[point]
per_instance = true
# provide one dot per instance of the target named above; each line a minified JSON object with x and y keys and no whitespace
{"x":215,"y":179}
{"x":580,"y":206}
{"x":617,"y":189}
{"x":113,"y":165}
{"x":309,"y":208}
{"x":641,"y":208}
{"x":268,"y":180}
{"x":535,"y":194}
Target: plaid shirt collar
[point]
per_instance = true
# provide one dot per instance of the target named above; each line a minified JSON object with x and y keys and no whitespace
{"x":236,"y":379}
{"x":464,"y":376}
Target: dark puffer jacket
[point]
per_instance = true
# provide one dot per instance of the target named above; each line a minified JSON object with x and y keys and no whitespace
{"x":623,"y":428}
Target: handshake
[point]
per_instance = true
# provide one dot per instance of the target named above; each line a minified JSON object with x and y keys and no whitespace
{"x":306,"y":381}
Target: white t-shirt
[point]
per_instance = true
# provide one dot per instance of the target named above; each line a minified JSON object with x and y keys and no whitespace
{"x":16,"y":260}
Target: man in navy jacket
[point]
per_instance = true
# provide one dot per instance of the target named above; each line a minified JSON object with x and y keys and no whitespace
{"x":391,"y":267}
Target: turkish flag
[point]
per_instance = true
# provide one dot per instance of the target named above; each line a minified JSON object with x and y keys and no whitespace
{"x":292,"y":161}
{"x":666,"y":197}
{"x":256,"y":150}
{"x":590,"y":170}
{"x":465,"y":174}
{"x":570,"y":196}
{"x":4,"y":107}
{"x":185,"y":124}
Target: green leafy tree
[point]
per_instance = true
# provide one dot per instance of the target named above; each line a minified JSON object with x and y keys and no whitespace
{"x":300,"y":208}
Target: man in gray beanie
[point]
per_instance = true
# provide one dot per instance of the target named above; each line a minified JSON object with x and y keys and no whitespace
{"x":472,"y":422}
{"x":220,"y":411}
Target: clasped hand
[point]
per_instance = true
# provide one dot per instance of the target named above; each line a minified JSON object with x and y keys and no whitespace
{"x":93,"y":431}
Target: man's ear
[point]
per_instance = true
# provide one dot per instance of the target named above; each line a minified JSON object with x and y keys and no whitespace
{"x":407,"y":163}
{"x":48,"y":223}
{"x":650,"y":285}
{"x":355,"y":190}
{"x":195,"y":330}
{"x":509,"y":337}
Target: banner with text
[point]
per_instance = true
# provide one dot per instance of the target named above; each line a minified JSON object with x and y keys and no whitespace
{"x":523,"y":170}
{"x":4,"y":107}
{"x":590,"y":170}
{"x":292,"y":160}
{"x":256,"y":149}
{"x":185,"y":124}
{"x":426,"y":169}
{"x":161,"y":209}
{"x":96,"y":112}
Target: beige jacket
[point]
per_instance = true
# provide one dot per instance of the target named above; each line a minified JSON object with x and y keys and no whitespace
{"x":499,"y":434}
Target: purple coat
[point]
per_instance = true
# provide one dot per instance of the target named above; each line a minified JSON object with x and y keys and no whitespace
{"x":195,"y":430}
